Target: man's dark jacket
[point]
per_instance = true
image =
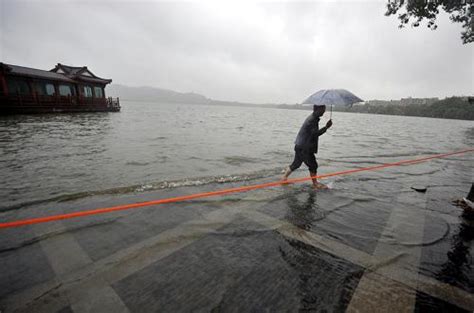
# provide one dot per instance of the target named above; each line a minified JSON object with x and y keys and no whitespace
{"x":307,"y":137}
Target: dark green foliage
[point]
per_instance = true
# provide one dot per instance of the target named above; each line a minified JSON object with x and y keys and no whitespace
{"x":455,"y":108}
{"x":461,"y":11}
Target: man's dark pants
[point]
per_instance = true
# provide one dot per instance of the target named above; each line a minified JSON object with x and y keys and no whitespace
{"x":306,"y":156}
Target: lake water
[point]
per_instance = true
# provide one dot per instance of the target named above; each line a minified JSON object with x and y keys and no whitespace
{"x":147,"y":146}
{"x":367,"y":243}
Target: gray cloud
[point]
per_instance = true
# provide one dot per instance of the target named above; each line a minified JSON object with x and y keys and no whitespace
{"x":264,"y":52}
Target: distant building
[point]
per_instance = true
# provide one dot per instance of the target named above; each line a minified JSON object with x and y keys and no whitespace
{"x":419,"y":101}
{"x":403,"y":101}
{"x":468,"y":99}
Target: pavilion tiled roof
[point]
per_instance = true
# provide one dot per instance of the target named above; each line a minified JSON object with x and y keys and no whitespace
{"x":81,"y":73}
{"x":65,"y":73}
{"x":34,"y":73}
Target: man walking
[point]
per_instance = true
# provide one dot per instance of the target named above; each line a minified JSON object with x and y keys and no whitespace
{"x":306,"y":145}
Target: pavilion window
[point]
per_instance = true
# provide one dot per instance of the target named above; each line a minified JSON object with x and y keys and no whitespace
{"x":43,"y":89}
{"x":65,"y":90}
{"x":18,"y":86}
{"x":98,"y":92}
{"x":40,"y":88}
{"x":87,"y":91}
{"x":50,"y":91}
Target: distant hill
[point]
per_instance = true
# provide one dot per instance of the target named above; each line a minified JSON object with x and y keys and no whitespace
{"x":454,"y":107}
{"x":154,"y":94}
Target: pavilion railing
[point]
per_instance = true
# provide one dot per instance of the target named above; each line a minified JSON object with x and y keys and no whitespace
{"x":113,"y":103}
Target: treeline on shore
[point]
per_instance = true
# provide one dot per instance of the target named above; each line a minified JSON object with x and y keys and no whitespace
{"x":454,"y":108}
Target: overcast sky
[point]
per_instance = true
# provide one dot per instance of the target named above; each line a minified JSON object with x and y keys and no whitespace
{"x":267,"y":52}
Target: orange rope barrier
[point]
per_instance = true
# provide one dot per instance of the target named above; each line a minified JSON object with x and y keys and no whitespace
{"x":51,"y":218}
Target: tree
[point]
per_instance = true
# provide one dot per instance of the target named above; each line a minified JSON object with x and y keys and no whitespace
{"x":415,"y":11}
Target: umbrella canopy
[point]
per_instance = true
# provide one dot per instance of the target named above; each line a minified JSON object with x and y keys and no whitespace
{"x":333,"y":97}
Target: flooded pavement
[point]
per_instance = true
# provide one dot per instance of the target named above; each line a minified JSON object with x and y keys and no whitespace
{"x":370,"y":243}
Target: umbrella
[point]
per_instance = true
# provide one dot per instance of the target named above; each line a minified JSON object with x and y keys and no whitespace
{"x":336,"y":97}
